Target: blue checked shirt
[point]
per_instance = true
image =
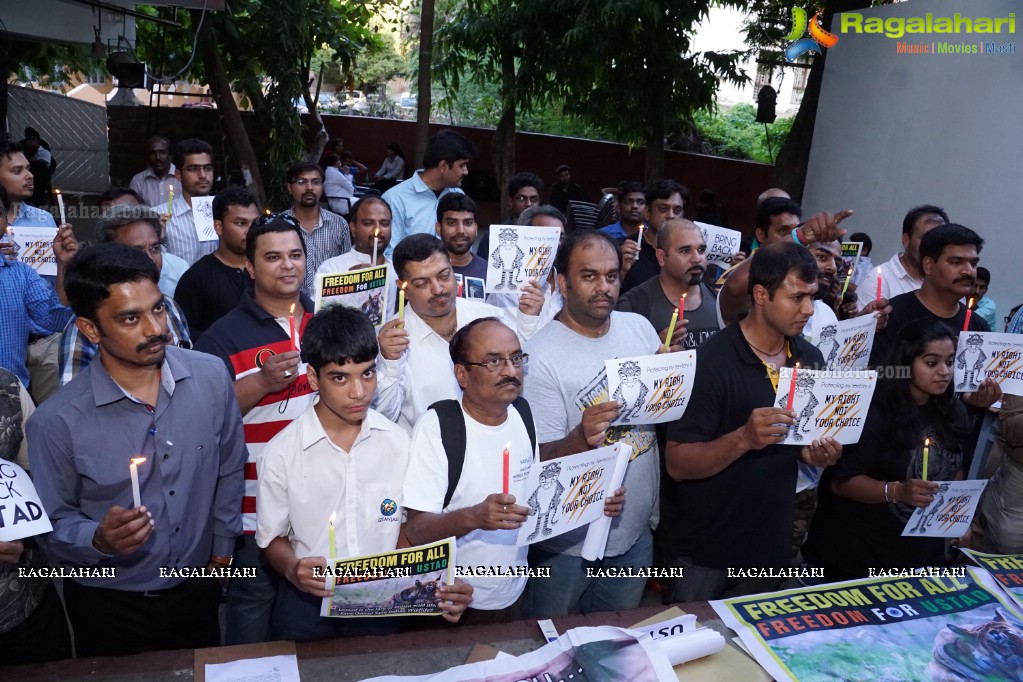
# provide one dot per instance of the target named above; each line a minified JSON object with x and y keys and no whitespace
{"x":331,"y":237}
{"x":76,"y":351}
{"x":27,"y":303}
{"x":1016,"y":323}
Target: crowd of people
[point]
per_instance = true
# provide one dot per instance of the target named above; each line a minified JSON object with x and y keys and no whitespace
{"x":258,"y":417}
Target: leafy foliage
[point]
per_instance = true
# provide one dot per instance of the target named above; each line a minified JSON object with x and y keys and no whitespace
{"x":736,"y":134}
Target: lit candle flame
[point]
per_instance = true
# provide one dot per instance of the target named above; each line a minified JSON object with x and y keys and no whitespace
{"x":927,"y":442}
{"x":969,"y":304}
{"x":138,"y":460}
{"x":292,"y":311}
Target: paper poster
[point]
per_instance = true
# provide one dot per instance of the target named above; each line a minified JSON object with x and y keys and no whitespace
{"x":827,"y":404}
{"x":567,"y":493}
{"x":911,"y":629}
{"x":982,"y":355}
{"x":518,"y":254}
{"x":951,"y":512}
{"x":652,"y":388}
{"x":470,"y":287}
{"x":846,"y":345}
{"x":399,"y":583}
{"x":35,"y":247}
{"x":581,"y":654}
{"x":21,"y":513}
{"x":364,"y":289}
{"x":722,"y":243}
{"x":595,"y":541}
{"x":850,"y":260}
{"x":202,"y":217}
{"x":1006,"y":569}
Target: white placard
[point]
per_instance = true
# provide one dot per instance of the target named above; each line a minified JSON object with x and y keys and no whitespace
{"x":847,"y":344}
{"x":202,"y":216}
{"x":597,"y":534}
{"x":21,"y":513}
{"x":722,"y":243}
{"x":982,"y":355}
{"x":652,"y":388}
{"x":35,"y":247}
{"x":951,"y":512}
{"x":567,"y":493}
{"x":827,"y":404}
{"x":518,"y":254}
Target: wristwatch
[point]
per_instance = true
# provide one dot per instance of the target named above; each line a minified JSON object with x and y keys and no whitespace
{"x":222,"y":560}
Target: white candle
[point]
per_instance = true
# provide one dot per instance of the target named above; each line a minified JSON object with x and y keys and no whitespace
{"x":133,"y":469}
{"x":60,"y":205}
{"x":376,"y":233}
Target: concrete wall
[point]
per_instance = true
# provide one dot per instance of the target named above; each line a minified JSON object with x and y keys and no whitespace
{"x":898,"y":130}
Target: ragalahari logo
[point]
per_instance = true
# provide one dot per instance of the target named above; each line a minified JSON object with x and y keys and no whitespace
{"x":818,"y":40}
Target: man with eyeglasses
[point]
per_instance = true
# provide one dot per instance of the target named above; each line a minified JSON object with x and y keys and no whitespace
{"x":194,"y":161}
{"x":630,"y":203}
{"x":488,"y":365}
{"x":524,"y":190}
{"x":325,"y":234}
{"x":414,"y":370}
{"x":665,"y":199}
{"x":139,"y":228}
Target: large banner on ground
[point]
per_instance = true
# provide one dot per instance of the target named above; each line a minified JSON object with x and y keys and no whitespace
{"x":1006,"y":569}
{"x":911,"y":629}
{"x":399,"y":583}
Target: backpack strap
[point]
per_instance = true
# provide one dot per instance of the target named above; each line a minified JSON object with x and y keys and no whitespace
{"x":452,"y":435}
{"x":526,"y":413}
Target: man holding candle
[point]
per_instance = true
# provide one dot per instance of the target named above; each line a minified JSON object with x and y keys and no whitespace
{"x":194,"y":161}
{"x":371,"y":234}
{"x":142,"y":398}
{"x":567,"y":388}
{"x":726,"y":447}
{"x":415,"y":368}
{"x":903,"y":272}
{"x":159,"y":180}
{"x":665,"y":199}
{"x":214,"y":285}
{"x":255,"y":342}
{"x":340,"y":460}
{"x":682,"y":254}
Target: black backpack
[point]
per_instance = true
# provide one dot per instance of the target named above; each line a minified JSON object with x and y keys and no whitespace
{"x":452,"y":434}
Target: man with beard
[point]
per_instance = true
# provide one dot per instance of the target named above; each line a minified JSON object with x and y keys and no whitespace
{"x":194,"y":161}
{"x":325,"y":234}
{"x":415,"y":368}
{"x":665,"y":199}
{"x":172,"y":407}
{"x":567,"y":389}
{"x":160,"y":175}
{"x":629,"y":204}
{"x":727,"y":445}
{"x":456,"y":227}
{"x":682,"y":254}
{"x":17,"y":179}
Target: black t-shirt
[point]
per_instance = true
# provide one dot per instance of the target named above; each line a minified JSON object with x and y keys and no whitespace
{"x":209,"y":290}
{"x":741,"y":516}
{"x":907,"y":308}
{"x":471,"y":278}
{"x":847,"y":537}
{"x":645,"y":267}
{"x":648,"y":300}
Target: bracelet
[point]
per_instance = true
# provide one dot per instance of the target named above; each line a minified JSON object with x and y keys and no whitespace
{"x":796,"y":236}
{"x":886,"y":498}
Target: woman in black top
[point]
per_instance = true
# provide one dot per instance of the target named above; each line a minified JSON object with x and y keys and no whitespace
{"x":877,"y":484}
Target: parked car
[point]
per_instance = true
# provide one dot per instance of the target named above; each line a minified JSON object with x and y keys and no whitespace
{"x":353,"y":97}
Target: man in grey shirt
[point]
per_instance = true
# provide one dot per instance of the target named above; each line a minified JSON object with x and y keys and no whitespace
{"x":143,"y":398}
{"x":573,"y":414}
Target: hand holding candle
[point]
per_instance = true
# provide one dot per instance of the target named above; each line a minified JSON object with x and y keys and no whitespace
{"x":671,"y":329}
{"x":133,"y":471}
{"x":401,"y":302}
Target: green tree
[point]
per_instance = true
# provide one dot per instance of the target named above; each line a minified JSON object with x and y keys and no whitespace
{"x":736,"y":134}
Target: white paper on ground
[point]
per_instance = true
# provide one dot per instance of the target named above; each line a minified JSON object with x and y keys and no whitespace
{"x":691,"y":645}
{"x":596,"y":534}
{"x":268,"y":669}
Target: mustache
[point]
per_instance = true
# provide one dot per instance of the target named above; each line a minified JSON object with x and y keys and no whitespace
{"x":971,"y":280}
{"x":509,"y":381}
{"x":606,"y":297}
{"x":164,"y":338}
{"x":438,"y":298}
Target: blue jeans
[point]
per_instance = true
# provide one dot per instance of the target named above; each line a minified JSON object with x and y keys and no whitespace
{"x":570,"y":590}
{"x":250,"y":601}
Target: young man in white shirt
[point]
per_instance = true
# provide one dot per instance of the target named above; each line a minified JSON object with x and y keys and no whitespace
{"x":339,"y":456}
